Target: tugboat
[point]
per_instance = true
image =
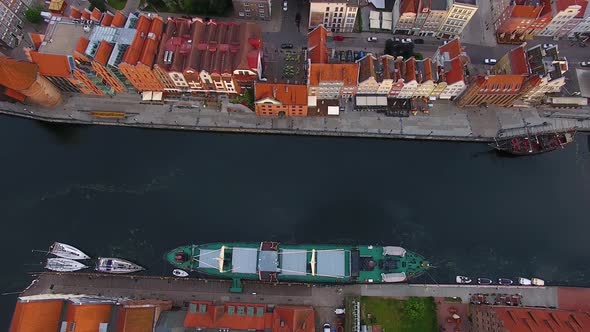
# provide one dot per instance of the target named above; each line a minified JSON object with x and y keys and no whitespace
{"x":463,"y":280}
{"x":318,"y":263}
{"x":531,"y":144}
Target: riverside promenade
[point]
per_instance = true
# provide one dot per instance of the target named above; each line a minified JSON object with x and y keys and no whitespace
{"x":445,"y":121}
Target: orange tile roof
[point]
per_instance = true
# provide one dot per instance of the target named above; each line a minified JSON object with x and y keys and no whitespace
{"x":14,"y":94}
{"x":456,"y":73}
{"x":103,"y":52}
{"x":218,"y":316}
{"x":317,"y":51}
{"x":410,"y":69}
{"x":427,"y":69}
{"x":96,"y":14}
{"x":52,"y":64}
{"x":563,"y":4}
{"x":136,"y":319}
{"x":150,"y":47}
{"x":329,"y":72}
{"x":133,"y":53}
{"x":37,"y":39}
{"x":518,"y":62}
{"x":86,"y":14}
{"x":453,"y":47}
{"x":36,"y":316}
{"x":87,"y":317}
{"x":542,"y":320}
{"x":107,"y":19}
{"x":501,"y":84}
{"x":82,"y":45}
{"x":75,"y":13}
{"x":288,"y":94}
{"x":293,"y":319}
{"x":526,"y":11}
{"x":573,"y":298}
{"x":408,"y":6}
{"x":119,"y":20}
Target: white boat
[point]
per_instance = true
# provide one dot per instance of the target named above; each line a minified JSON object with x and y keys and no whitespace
{"x":463,"y":280}
{"x":538,"y":282}
{"x":180,"y":273}
{"x":524,"y":281}
{"x":64,"y":265}
{"x":67,"y":251}
{"x":116,"y":265}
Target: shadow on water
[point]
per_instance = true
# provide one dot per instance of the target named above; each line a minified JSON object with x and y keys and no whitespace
{"x":63,"y":133}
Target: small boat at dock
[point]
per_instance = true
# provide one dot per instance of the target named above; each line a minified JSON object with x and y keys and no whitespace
{"x":116,"y":265}
{"x":538,"y":282}
{"x":67,"y":251}
{"x":64,"y":265}
{"x":524,"y":281}
{"x":484,"y":281}
{"x":180,"y":273}
{"x":463,"y":280}
{"x":505,"y":281}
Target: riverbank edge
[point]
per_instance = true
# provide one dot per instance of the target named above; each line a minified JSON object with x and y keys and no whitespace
{"x":302,"y":132}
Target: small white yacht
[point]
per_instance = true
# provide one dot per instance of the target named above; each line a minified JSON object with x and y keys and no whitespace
{"x":64,"y":265}
{"x":463,"y":280}
{"x":67,"y":251}
{"x":180,"y":273}
{"x":538,"y":282}
{"x":524,"y":281}
{"x":116,"y":265}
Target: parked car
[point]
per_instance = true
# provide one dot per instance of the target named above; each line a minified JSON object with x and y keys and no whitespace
{"x":419,"y":41}
{"x":327,"y":327}
{"x":349,"y":56}
{"x":338,"y":38}
{"x":490,"y":61}
{"x":395,"y":39}
{"x":356,"y":55}
{"x":285,"y":5}
{"x":342,"y":56}
{"x":406,"y":40}
{"x":372,"y":39}
{"x":546,"y":46}
{"x":585,"y":64}
{"x":286,"y":45}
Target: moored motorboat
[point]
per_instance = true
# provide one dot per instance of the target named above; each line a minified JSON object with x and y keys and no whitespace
{"x":505,"y":281}
{"x":180,"y":273}
{"x":538,"y":282}
{"x":116,"y":265}
{"x":67,"y":251}
{"x":64,"y":265}
{"x":524,"y":281}
{"x":484,"y":281}
{"x":463,"y":280}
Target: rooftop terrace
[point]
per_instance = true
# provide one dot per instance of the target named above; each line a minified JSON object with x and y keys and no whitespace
{"x":62,"y":36}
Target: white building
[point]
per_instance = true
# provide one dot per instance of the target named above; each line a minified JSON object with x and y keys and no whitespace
{"x":12,"y":17}
{"x":582,"y":27}
{"x":561,"y":18}
{"x":459,"y":14}
{"x":335,"y":15}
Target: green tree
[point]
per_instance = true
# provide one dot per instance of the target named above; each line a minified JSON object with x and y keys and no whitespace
{"x":33,"y":15}
{"x":418,"y":56}
{"x":414,"y":308}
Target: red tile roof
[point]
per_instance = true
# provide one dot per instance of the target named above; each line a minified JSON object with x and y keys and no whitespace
{"x":427,"y":69}
{"x":410,"y":70}
{"x":37,"y":39}
{"x":563,"y":4}
{"x":136,"y":319}
{"x":133,"y":53}
{"x":288,"y":94}
{"x":17,"y":75}
{"x":293,"y":319}
{"x":334,"y":72}
{"x":75,"y":13}
{"x":501,"y":84}
{"x":453,"y":47}
{"x":86,"y":14}
{"x":119,"y":20}
{"x":245,"y":316}
{"x":52,"y":64}
{"x":87,"y":317}
{"x":82,"y":45}
{"x":526,"y":11}
{"x":317,"y":51}
{"x":542,"y":320}
{"x":14,"y":94}
{"x":150,"y":47}
{"x":96,"y":14}
{"x":408,"y":6}
{"x":518,"y":62}
{"x":107,"y":19}
{"x":456,"y":73}
{"x":103,"y":52}
{"x":573,"y":298}
{"x":36,"y":316}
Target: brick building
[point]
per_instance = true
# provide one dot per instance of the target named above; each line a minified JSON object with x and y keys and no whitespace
{"x":335,"y":15}
{"x":522,"y":20}
{"x":332,"y":81}
{"x":253,"y":9}
{"x":280,"y":99}
{"x":510,"y":319}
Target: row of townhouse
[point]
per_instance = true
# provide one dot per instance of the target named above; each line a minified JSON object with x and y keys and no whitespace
{"x":441,"y":76}
{"x":440,"y":18}
{"x":524,"y":19}
{"x":527,"y":74}
{"x":103,"y":53}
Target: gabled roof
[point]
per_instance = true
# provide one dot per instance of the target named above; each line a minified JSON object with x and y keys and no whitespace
{"x":453,"y":48}
{"x":287,"y":94}
{"x":17,"y":75}
{"x":150,"y":47}
{"x":367,"y":68}
{"x":518,"y":61}
{"x":424,"y":70}
{"x":408,"y":6}
{"x":410,"y":70}
{"x":103,"y":52}
{"x":241,"y":316}
{"x":36,"y":316}
{"x":135,"y":319}
{"x":82,"y":45}
{"x":88,"y":316}
{"x":293,"y":319}
{"x":347,"y":73}
{"x":456,"y":73}
{"x":317,"y":51}
{"x":75,"y":13}
{"x":37,"y":39}
{"x":133,"y":53}
{"x":86,"y":14}
{"x":107,"y":19}
{"x":542,"y":320}
{"x":96,"y":15}
{"x":119,"y":20}
{"x":52,"y":64}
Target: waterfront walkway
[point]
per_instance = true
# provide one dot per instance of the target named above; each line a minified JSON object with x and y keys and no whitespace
{"x":445,"y":121}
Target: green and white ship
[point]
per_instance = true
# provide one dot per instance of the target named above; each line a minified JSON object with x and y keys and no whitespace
{"x":274,"y":262}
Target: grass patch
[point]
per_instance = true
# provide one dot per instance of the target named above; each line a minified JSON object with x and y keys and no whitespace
{"x":417,"y":314}
{"x":117,"y":4}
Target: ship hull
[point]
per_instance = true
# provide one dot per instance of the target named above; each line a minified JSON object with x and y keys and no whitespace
{"x":530,"y":145}
{"x":269,"y":261}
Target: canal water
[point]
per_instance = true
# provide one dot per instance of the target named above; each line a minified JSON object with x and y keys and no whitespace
{"x":135,"y":193}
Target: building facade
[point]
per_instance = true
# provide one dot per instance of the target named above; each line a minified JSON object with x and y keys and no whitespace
{"x":335,"y":15}
{"x":280,"y":99}
{"x":12,"y":20}
{"x":404,"y":16}
{"x":520,"y":21}
{"x":253,"y":9}
{"x":499,"y":90}
{"x":333,"y":81}
{"x":440,"y":18}
{"x":550,"y":69}
{"x":564,"y":11}
{"x":459,"y":14}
